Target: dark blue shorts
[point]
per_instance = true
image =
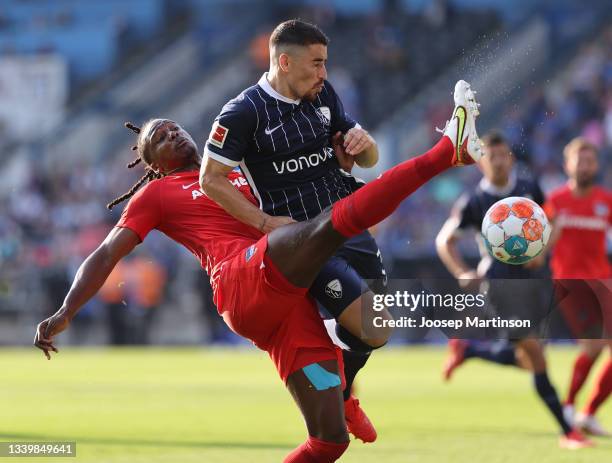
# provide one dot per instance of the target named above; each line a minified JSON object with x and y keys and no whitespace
{"x":355,"y":268}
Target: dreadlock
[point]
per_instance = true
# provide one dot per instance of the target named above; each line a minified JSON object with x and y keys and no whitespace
{"x":149,"y":175}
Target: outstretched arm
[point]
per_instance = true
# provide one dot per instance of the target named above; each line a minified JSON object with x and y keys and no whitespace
{"x":89,"y":279}
{"x":446,"y":246}
{"x":214,"y":182}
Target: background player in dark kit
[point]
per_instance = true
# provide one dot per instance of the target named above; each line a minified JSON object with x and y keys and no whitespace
{"x":290,"y":135}
{"x":500,"y":181}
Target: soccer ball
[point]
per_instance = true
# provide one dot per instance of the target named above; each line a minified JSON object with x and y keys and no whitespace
{"x":515,"y":230}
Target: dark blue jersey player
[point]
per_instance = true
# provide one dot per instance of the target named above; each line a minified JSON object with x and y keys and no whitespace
{"x":514,"y":290}
{"x":290,"y":136}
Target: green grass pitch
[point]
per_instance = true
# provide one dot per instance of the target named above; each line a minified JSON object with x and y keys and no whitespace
{"x":211,"y":405}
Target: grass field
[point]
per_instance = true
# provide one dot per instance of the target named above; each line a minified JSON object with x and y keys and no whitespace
{"x":203,"y":405}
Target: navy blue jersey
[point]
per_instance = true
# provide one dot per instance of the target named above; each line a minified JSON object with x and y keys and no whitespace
{"x":471,"y":209}
{"x":283,"y":147}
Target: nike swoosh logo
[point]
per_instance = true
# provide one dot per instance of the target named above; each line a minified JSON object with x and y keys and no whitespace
{"x":189,"y":186}
{"x":460,"y":114}
{"x":269,"y":132}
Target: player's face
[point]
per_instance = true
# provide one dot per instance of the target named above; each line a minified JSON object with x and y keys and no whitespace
{"x":582,"y":167}
{"x":171,"y":147}
{"x":497,"y":163}
{"x":307,"y":71}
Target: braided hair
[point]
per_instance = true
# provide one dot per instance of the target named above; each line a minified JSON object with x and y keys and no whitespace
{"x":142,"y":148}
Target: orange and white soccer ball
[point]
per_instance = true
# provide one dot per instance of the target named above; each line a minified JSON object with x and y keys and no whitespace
{"x":515,"y":230}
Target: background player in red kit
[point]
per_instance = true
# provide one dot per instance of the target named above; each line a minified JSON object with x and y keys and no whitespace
{"x":581,"y":214}
{"x":261,"y":281}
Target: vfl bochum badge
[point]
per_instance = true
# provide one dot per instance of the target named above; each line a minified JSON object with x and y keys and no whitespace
{"x":334,"y":289}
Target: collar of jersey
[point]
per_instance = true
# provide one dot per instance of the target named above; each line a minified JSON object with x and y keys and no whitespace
{"x":488,"y":187}
{"x":265,"y":85}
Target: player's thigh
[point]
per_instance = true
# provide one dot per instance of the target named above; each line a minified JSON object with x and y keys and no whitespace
{"x":343,"y":294}
{"x":317,"y":391}
{"x":300,"y":250}
{"x":362,"y":254}
{"x":369,"y":325}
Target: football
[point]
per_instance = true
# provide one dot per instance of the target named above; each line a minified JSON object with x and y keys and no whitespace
{"x":515,"y":230}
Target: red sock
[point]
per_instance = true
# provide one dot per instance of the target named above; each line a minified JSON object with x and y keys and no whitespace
{"x":582,"y":367}
{"x":602,"y":389}
{"x":316,"y":451}
{"x":378,"y":199}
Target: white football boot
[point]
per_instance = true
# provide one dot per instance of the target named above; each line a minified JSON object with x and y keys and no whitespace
{"x":591,"y":425}
{"x":461,"y":128}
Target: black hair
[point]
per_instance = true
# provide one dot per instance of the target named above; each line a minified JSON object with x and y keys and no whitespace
{"x":142,"y":148}
{"x":494,"y":138}
{"x":297,"y":32}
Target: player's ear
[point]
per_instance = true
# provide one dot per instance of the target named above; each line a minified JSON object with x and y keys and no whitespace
{"x":283,"y":62}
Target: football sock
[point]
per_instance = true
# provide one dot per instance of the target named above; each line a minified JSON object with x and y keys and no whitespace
{"x":547,"y":393}
{"x":379,"y":198}
{"x":353,"y":362}
{"x":316,"y":451}
{"x":602,"y":389}
{"x":582,"y":367}
{"x":501,"y":353}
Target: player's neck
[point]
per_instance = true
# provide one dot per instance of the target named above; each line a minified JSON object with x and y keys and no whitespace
{"x":280,"y":85}
{"x":185,"y":168}
{"x":579,"y":191}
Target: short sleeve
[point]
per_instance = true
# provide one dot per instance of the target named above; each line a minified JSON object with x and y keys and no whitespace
{"x":340,"y":120}
{"x":231,"y":132}
{"x":463,"y":210}
{"x":550,"y":208}
{"x":143,"y":212}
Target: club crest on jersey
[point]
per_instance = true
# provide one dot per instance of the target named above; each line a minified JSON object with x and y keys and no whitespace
{"x":325,"y":113}
{"x":334,"y":289}
{"x":601,"y":209}
{"x":250,"y":252}
{"x":218,"y":134}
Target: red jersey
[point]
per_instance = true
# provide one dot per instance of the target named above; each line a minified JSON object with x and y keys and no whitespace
{"x":177,"y":207}
{"x":580,"y":251}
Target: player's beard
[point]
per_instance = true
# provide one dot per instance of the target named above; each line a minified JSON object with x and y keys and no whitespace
{"x":585,"y":181}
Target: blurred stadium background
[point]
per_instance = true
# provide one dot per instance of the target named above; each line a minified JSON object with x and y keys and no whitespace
{"x":72,"y":71}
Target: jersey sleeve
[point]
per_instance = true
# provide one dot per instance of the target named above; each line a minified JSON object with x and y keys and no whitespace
{"x":231,"y":132}
{"x":340,"y":120}
{"x":464,"y":211}
{"x":550,"y":208}
{"x":143,"y":212}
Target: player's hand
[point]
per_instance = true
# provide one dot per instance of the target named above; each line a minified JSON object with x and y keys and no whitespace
{"x":271,"y":222}
{"x":536,"y":263}
{"x":357,"y":140}
{"x":469,"y":281}
{"x":345,"y":160}
{"x":47,"y":329}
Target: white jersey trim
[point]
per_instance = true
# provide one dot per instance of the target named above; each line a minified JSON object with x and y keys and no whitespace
{"x":266,"y":87}
{"x":222,"y":159}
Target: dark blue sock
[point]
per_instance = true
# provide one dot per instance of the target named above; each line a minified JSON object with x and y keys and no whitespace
{"x":547,"y":393}
{"x":502,"y":353}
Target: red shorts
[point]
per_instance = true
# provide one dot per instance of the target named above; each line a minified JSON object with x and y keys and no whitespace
{"x":257,"y":302}
{"x":586,"y":306}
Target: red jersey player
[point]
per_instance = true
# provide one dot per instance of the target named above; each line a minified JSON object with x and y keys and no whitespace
{"x":261,"y":281}
{"x":581,"y":213}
